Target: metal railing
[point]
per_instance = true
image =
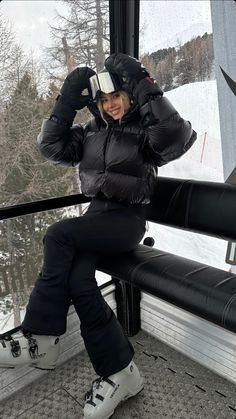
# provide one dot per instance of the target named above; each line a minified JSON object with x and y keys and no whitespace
{"x":42,"y":205}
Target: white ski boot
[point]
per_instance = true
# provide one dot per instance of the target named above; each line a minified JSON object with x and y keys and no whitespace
{"x":34,"y":350}
{"x":107,"y":393}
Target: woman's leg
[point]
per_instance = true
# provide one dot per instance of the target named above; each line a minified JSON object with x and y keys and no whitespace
{"x":96,"y":232}
{"x":48,"y":305}
{"x":71,"y":249}
{"x":113,"y":232}
{"x":108,"y":348}
{"x":46,"y":312}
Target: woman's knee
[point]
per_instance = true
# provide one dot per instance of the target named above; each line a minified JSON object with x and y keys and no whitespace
{"x":58,"y":231}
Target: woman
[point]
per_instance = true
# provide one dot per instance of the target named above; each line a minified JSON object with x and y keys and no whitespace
{"x":134,"y":130}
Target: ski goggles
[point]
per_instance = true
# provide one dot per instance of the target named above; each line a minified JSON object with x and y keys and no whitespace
{"x":104,"y":82}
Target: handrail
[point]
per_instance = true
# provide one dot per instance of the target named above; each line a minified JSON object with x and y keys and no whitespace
{"x":42,"y":205}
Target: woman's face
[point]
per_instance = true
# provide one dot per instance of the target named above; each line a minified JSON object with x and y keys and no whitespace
{"x":114,"y":104}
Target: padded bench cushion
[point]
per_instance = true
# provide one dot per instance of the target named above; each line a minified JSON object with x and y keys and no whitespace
{"x":204,"y":207}
{"x":200,"y":289}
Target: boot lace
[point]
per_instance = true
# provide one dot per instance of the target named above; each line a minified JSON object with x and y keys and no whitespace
{"x":15,"y":345}
{"x":16,"y":348}
{"x":96,"y":385}
{"x":33,"y":346}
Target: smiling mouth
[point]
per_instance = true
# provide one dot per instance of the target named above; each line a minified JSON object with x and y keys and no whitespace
{"x":115,"y":111}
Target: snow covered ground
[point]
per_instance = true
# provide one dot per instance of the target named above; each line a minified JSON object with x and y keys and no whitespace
{"x":196,"y":102}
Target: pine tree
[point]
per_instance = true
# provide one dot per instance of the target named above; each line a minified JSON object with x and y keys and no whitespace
{"x":27,"y":176}
{"x":173,"y":67}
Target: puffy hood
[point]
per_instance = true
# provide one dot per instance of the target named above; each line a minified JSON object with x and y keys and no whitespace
{"x":107,"y":83}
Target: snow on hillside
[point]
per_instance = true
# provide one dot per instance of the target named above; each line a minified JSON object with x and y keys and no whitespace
{"x":198,"y":103}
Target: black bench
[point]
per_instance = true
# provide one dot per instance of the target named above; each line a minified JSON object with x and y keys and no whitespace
{"x":204,"y":207}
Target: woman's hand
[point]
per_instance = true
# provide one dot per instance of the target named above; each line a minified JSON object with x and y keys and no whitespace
{"x":75,"y":94}
{"x":133,"y":76}
{"x":129,"y":70}
{"x":76,"y":91}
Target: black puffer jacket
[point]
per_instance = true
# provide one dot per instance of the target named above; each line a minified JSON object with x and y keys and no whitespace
{"x":120,"y":162}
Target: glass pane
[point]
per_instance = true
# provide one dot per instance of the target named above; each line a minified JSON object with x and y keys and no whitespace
{"x":176,"y":45}
{"x":21,"y":259}
{"x":39,"y":45}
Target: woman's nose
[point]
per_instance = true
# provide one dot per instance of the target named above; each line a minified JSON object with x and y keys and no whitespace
{"x":111,"y":103}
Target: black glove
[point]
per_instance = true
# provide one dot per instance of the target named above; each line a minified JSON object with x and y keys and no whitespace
{"x":129,"y":70}
{"x":75,"y":94}
{"x":133,"y":76}
{"x":76,"y":91}
{"x":147,"y":89}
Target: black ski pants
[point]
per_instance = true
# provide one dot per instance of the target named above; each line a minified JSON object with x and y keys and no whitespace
{"x":71,"y":251}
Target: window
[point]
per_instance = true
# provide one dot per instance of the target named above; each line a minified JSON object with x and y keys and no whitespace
{"x":176,"y":45}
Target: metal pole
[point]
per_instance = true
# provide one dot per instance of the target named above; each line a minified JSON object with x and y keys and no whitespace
{"x":124,"y":26}
{"x":224,"y":35}
{"x":203,"y":147}
{"x":128,"y":306}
